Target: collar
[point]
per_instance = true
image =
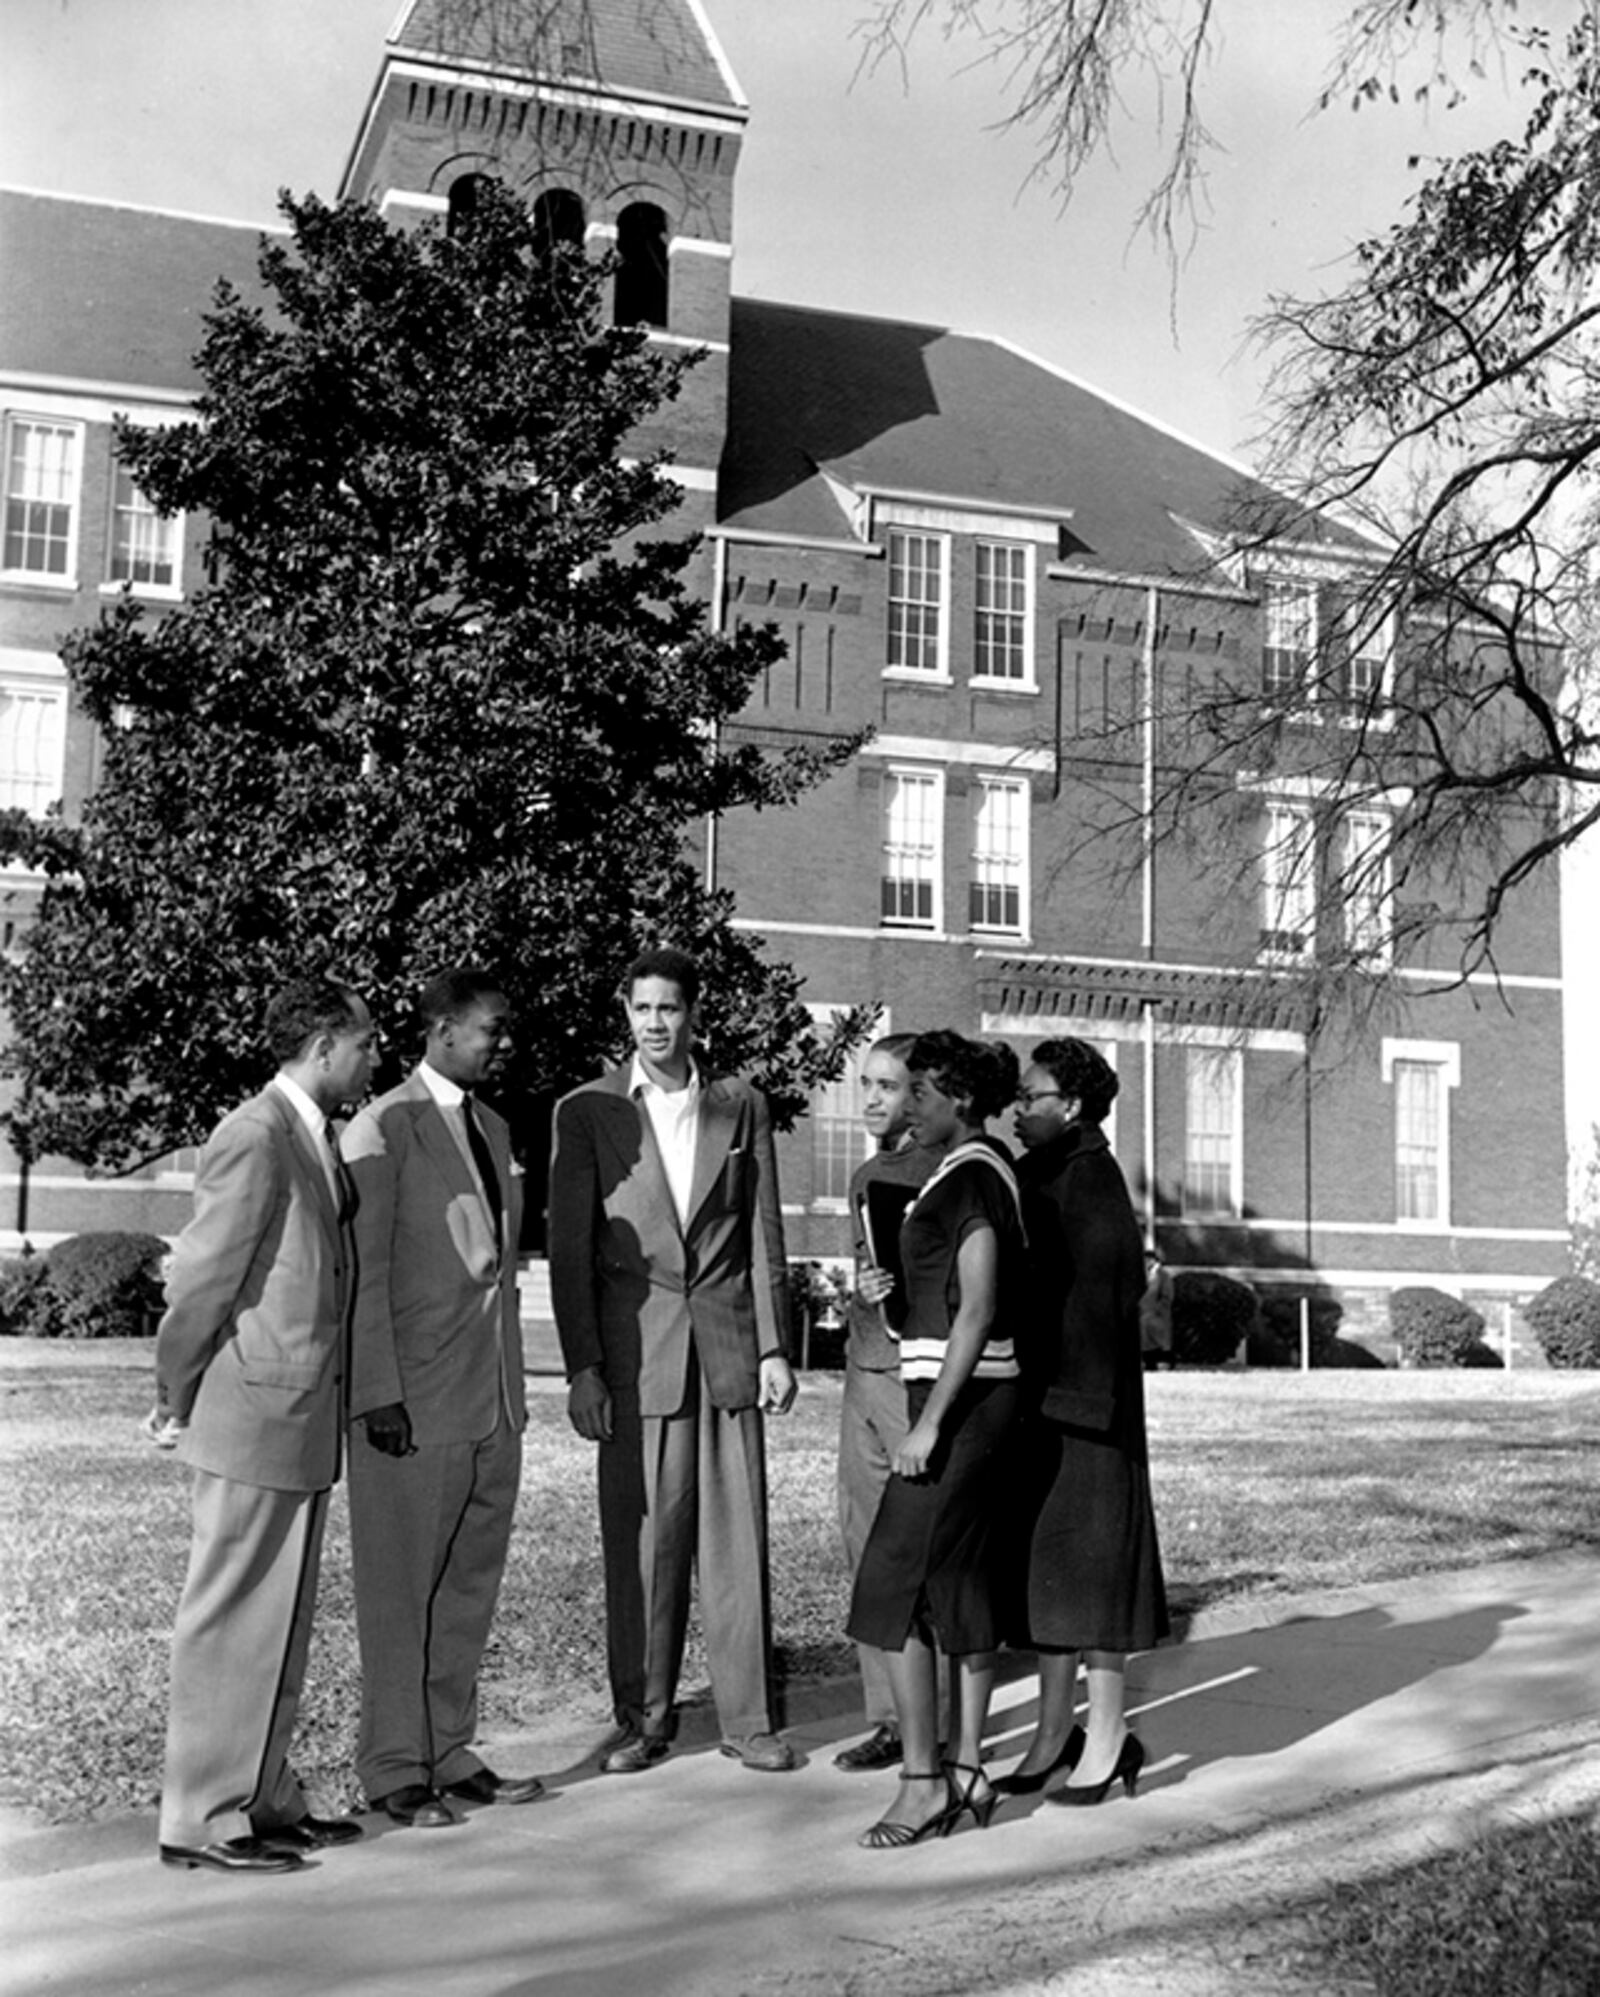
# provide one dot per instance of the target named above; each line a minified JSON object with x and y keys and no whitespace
{"x":641,"y":1084}
{"x":314,"y":1119}
{"x":447,"y":1094}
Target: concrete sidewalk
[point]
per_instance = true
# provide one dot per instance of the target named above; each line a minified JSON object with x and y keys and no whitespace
{"x":1340,"y":1738}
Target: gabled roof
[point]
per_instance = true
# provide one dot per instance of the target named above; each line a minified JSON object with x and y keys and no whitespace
{"x":91,"y":292}
{"x":645,"y":48}
{"x":824,"y":402}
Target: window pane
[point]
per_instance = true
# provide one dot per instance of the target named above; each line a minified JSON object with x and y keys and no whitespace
{"x":911,"y":847}
{"x":1288,"y":882}
{"x":1291,"y":632}
{"x":916,"y":596}
{"x":1419,"y":1140}
{"x":839,"y":1139}
{"x":41,"y":491}
{"x":999,"y":854}
{"x":1001,"y":624}
{"x":1364,"y":867}
{"x":32,"y":741}
{"x":144,"y":547}
{"x":1209,"y":1135}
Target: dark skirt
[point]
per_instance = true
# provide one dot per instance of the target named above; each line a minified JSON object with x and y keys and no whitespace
{"x":929,"y":1566}
{"x":1094,"y":1567}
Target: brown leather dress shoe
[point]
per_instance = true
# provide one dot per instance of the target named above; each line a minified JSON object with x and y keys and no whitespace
{"x":416,"y":1806}
{"x":636,"y":1753}
{"x":484,"y":1786}
{"x":880,"y":1749}
{"x":765,"y":1753}
{"x":234,"y":1855}
{"x":313,"y":1833}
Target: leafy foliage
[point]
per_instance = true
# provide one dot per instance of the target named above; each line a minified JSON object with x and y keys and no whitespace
{"x":102,"y":1285}
{"x":444,"y":699}
{"x":1210,"y":1315}
{"x":1432,"y":1328}
{"x":1565,"y":1316}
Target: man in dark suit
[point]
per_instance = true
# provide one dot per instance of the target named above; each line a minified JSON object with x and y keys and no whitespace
{"x":669,"y":1285}
{"x":250,"y":1390}
{"x":436,"y":1378}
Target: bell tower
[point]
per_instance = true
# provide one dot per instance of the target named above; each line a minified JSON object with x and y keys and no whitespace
{"x":620,"y":122}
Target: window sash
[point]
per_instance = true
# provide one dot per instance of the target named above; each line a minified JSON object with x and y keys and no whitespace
{"x":1288,"y":882}
{"x":916,"y":601}
{"x":144,"y":543}
{"x":1000,"y":618}
{"x":999,"y":854}
{"x":840,"y":1141}
{"x":1367,"y":882}
{"x":913,"y":810}
{"x":1419,"y":1140}
{"x":41,"y":491}
{"x":33,"y":733}
{"x":1291,"y":638}
{"x":1210,"y":1152}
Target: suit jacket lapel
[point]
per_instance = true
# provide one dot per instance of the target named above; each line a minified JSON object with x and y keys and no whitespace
{"x":304,"y":1147}
{"x":718,"y":1120}
{"x":645,"y":1162}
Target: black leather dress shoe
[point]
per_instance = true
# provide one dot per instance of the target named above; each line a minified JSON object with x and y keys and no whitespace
{"x":416,"y":1805}
{"x":235,"y":1855}
{"x":484,"y":1786}
{"x":880,"y":1749}
{"x":313,"y":1833}
{"x":635,"y":1754}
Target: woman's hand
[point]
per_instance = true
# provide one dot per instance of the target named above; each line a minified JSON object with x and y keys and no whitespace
{"x":913,"y":1456}
{"x":873,"y":1284}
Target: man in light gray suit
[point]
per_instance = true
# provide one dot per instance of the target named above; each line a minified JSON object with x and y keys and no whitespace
{"x":668,"y":1279}
{"x":437,"y":1384}
{"x":250,"y":1384}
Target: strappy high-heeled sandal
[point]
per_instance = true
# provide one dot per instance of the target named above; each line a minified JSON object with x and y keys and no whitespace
{"x":964,"y":1800}
{"x":887,"y":1835}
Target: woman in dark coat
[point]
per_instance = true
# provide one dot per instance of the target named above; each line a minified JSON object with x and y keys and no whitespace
{"x":1094,"y":1581}
{"x":928,"y":1574}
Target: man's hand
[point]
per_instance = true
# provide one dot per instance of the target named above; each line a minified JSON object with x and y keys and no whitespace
{"x":389,"y":1430}
{"x":778,"y":1386}
{"x":589,"y":1405}
{"x":161,"y":1428}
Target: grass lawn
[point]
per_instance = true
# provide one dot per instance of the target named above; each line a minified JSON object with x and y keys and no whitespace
{"x":1266,"y":1484}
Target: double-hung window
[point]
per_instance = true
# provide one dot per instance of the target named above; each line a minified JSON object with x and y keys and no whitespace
{"x":39,"y":535}
{"x":146,"y":547}
{"x":1422,"y":1073}
{"x":1002,"y":638}
{"x":33,"y":731}
{"x":913,"y":848}
{"x":1288,"y":883}
{"x":1366,"y":876}
{"x":998,"y":897}
{"x":840,"y":1141}
{"x":919,"y":623}
{"x":1291,"y":640}
{"x":1212,"y":1131}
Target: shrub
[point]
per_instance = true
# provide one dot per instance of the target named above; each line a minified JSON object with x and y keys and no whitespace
{"x":27,"y":1303}
{"x":1432,"y":1328}
{"x":1210,"y":1315}
{"x":1566,"y":1321}
{"x":105,"y":1285}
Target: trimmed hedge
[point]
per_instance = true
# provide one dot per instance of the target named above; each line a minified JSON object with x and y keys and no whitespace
{"x":1566,"y":1321}
{"x":89,"y":1286}
{"x":1432,"y":1328}
{"x":1210,"y":1315}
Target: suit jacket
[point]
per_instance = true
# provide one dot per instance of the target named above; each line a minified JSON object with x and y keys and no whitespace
{"x":635,"y":1292}
{"x":436,"y":1322}
{"x":250,"y":1350}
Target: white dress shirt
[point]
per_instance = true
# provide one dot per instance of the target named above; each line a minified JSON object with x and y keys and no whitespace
{"x":316,"y":1121}
{"x":450,"y":1097}
{"x":674,"y":1117}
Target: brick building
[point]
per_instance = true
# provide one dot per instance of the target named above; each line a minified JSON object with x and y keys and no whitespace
{"x":1002,"y":572}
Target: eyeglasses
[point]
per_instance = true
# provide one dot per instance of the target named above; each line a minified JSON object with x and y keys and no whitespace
{"x":1026,"y":1101}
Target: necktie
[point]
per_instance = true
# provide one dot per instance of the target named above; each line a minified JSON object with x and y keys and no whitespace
{"x":478,"y":1145}
{"x":341,"y":1173}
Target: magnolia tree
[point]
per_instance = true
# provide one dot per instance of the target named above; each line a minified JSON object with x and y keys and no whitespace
{"x":443,"y":698}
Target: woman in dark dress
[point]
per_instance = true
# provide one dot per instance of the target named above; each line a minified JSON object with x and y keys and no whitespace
{"x":1094,"y":1581}
{"x":926,"y":1582}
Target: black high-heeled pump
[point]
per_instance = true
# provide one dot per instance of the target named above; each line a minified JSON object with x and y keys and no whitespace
{"x":1030,"y":1785}
{"x":963,"y":1800}
{"x":1129,"y":1761}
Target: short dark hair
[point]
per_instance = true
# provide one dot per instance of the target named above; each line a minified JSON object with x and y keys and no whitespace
{"x":1077,"y":1069}
{"x":454,"y":992}
{"x":897,"y":1046}
{"x":677,"y":967}
{"x":298,"y":1013}
{"x":980,"y":1073}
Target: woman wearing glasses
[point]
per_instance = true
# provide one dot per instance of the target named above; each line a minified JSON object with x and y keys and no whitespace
{"x":1094,"y":1583}
{"x":927,"y":1579}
